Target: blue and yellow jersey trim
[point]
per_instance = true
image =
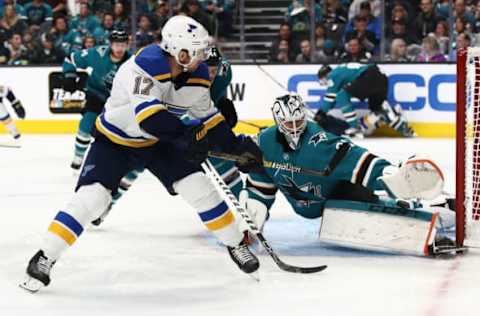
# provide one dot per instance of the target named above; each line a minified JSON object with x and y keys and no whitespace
{"x":66,"y":227}
{"x":177,"y":110}
{"x":147,"y":109}
{"x":213,"y":121}
{"x":117,"y":136}
{"x":218,"y":217}
{"x":200,"y":77}
{"x":153,"y":61}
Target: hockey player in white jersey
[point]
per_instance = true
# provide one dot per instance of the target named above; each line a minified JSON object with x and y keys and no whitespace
{"x":140,"y":127}
{"x":5,"y":118}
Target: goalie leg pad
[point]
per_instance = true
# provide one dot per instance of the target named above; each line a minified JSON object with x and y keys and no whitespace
{"x":87,"y":204}
{"x":200,"y":193}
{"x":417,"y":178}
{"x":379,"y":227}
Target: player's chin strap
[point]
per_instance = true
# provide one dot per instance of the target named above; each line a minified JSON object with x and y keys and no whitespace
{"x":232,"y":201}
{"x":336,"y":159}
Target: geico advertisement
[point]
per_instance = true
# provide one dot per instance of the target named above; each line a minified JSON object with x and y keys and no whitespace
{"x":426,"y":92}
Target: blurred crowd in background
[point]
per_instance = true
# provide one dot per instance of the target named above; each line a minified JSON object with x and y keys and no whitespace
{"x":413,"y":30}
{"x":45,"y":31}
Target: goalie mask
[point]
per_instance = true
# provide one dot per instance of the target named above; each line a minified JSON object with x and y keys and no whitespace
{"x":290,"y":117}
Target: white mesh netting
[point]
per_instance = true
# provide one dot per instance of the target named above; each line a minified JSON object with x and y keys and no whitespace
{"x":472,"y":149}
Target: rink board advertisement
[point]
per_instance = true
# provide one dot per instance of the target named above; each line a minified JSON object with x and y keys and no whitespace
{"x":425,"y":91}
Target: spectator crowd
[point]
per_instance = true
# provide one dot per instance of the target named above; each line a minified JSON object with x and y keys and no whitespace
{"x":351,"y":31}
{"x":45,"y":31}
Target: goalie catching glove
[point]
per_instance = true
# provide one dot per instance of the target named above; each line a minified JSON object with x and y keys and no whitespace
{"x":417,"y":178}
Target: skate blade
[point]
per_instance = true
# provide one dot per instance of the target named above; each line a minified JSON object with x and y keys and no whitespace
{"x":12,"y":144}
{"x":255,"y":276}
{"x":31,"y":285}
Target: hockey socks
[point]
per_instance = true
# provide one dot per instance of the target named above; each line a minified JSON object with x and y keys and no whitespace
{"x":10,"y":125}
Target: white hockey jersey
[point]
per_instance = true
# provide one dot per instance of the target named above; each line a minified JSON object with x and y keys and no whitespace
{"x":142,"y":88}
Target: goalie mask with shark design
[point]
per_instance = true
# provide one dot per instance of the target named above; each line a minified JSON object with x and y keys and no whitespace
{"x":290,"y":116}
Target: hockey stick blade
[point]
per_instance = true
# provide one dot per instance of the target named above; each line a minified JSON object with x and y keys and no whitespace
{"x":9,"y":145}
{"x":284,"y":266}
{"x":233,"y":202}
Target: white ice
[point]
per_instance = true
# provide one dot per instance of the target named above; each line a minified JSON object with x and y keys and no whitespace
{"x":153,"y":257}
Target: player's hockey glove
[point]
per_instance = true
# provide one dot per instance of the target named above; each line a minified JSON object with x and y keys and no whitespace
{"x":330,"y":123}
{"x":252,"y":157}
{"x":227,"y":108}
{"x":70,"y":81}
{"x":197,"y":144}
{"x":19,"y":109}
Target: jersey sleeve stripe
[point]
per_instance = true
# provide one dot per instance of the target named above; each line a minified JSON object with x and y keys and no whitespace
{"x":147,"y":109}
{"x":198,"y":82}
{"x":163,"y":77}
{"x":369,"y":172}
{"x":148,"y":112}
{"x":213,"y":121}
{"x":110,"y":133}
{"x":261,"y":184}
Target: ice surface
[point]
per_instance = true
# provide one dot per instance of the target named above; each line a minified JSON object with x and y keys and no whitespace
{"x":153,"y":257}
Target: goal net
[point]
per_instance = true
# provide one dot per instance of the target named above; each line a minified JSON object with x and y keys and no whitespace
{"x":468,"y":147}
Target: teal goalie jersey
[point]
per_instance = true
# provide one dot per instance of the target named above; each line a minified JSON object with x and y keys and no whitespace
{"x":307,"y":194}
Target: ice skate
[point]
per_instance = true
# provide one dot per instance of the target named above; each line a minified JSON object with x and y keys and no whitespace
{"x":244,"y":258}
{"x":38,"y":272}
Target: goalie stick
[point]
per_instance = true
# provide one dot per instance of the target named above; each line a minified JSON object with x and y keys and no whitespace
{"x":233,"y":202}
{"x":337,"y":158}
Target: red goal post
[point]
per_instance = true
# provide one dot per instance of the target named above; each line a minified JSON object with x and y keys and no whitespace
{"x":468,"y":148}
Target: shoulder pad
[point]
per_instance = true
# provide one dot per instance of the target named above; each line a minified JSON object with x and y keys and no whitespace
{"x":154,"y":62}
{"x":200,"y":77}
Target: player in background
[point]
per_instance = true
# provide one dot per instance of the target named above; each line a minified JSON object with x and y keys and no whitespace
{"x":358,"y":173}
{"x":103,"y":62}
{"x":141,"y":127}
{"x":220,"y":74}
{"x":362,"y":81}
{"x":5,"y":118}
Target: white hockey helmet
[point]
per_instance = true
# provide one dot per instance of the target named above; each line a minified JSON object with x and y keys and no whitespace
{"x":291,"y":118}
{"x":184,"y":33}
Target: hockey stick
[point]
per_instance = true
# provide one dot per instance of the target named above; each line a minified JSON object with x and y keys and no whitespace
{"x":339,"y":155}
{"x":9,"y":145}
{"x":310,"y":112}
{"x":233,"y":202}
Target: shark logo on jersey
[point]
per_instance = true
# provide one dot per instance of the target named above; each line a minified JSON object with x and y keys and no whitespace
{"x":318,"y":138}
{"x":305,"y":194}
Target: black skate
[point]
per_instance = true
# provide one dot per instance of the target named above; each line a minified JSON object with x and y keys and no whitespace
{"x":38,"y":272}
{"x":244,"y":258}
